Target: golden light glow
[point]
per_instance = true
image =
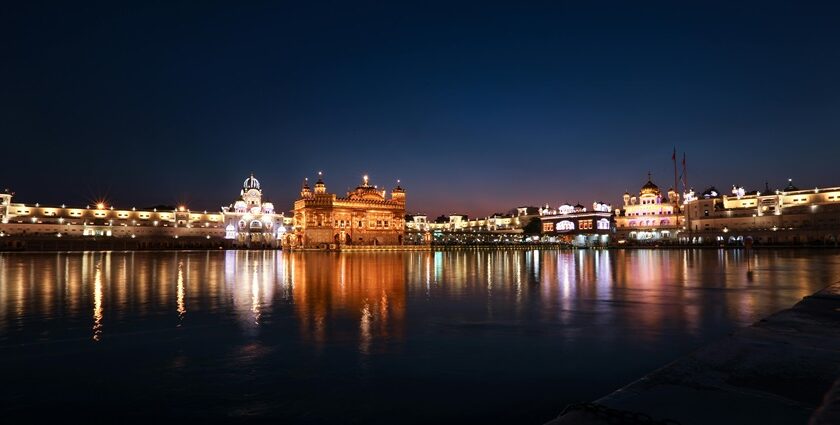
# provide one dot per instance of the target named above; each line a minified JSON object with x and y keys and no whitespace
{"x":97,"y":303}
{"x":100,"y":205}
{"x":182,"y":309}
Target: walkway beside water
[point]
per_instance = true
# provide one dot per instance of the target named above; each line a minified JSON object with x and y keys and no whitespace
{"x":776,"y":371}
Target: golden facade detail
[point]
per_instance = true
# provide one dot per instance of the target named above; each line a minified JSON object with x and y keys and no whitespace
{"x":366,"y":216}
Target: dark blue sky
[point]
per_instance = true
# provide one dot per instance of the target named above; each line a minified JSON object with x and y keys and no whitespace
{"x":477,"y":107}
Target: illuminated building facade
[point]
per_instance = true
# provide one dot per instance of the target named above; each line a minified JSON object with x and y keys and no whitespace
{"x":459,"y":228}
{"x":364,"y":217}
{"x":576,"y":225}
{"x":251,"y":222}
{"x":5,"y":206}
{"x":787,"y":216}
{"x":247,"y":223}
{"x":34,"y":221}
{"x":650,"y":217}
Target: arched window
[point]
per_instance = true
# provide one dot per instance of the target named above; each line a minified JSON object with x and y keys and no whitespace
{"x":664,"y":222}
{"x":565,"y":225}
{"x":256,"y":224}
{"x":230,"y":232}
{"x":603,"y":224}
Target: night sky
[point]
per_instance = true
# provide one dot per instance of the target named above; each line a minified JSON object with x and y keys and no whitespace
{"x":477,"y":108}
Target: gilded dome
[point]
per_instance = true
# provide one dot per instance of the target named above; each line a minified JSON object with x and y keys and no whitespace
{"x":366,"y":191}
{"x":650,"y":188}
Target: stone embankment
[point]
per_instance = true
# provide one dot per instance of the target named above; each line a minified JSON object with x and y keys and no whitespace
{"x":780,"y":370}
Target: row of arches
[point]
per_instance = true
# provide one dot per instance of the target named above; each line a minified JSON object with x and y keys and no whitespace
{"x":649,"y":222}
{"x":566,"y":225}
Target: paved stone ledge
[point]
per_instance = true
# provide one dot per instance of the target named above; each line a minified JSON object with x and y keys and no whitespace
{"x":777,"y":371}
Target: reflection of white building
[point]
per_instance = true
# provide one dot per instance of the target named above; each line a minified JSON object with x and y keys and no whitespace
{"x":251,"y":222}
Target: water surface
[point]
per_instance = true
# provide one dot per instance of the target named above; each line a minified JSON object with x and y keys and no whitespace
{"x":415,"y":337}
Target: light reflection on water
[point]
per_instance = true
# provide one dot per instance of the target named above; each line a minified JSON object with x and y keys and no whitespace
{"x":182,"y":307}
{"x":97,"y":303}
{"x":492,"y":336}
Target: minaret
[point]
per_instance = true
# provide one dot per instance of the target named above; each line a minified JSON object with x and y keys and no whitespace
{"x":398,"y":194}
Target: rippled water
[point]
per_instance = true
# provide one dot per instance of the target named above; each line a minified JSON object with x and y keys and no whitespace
{"x":415,"y":337}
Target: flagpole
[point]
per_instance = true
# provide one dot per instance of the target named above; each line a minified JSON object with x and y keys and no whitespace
{"x":674,"y":160}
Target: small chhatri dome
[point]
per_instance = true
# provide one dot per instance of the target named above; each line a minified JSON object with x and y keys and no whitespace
{"x":790,"y":187}
{"x":398,"y":188}
{"x":251,"y":183}
{"x":320,"y":187}
{"x":710,"y":192}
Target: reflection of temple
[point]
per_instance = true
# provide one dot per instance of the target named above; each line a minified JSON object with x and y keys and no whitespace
{"x":650,"y":216}
{"x":251,"y":222}
{"x":363,"y":217}
{"x":330,"y":291}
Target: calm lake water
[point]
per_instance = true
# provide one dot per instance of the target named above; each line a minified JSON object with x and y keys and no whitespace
{"x":414,"y":337}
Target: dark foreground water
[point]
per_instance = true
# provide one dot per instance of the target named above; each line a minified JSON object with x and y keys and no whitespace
{"x":496,"y":336}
